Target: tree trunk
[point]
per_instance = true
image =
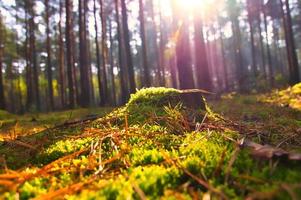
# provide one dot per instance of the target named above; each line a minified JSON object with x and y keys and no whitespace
{"x":240,"y":72}
{"x":104,"y":49}
{"x":123,"y":83}
{"x":83,"y":56}
{"x":29,"y":97}
{"x":183,"y":57}
{"x":261,"y":47}
{"x":162,"y":53}
{"x":97,"y":52}
{"x":49,"y":65}
{"x":271,"y":71}
{"x":225,"y":68}
{"x":146,"y":79}
{"x":129,"y":60}
{"x":69,"y":53}
{"x":33,"y":54}
{"x":254,"y":67}
{"x":172,"y":59}
{"x":201,"y":65}
{"x":157,"y":51}
{"x":290,"y":45}
{"x":2,"y":99}
{"x":61,"y":57}
{"x":112,"y":65}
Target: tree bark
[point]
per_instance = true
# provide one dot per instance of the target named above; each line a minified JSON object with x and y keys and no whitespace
{"x":69,"y":53}
{"x":112,"y":65}
{"x":201,"y":65}
{"x":61,"y":57}
{"x":183,"y":57}
{"x":33,"y":54}
{"x":146,"y":81}
{"x":2,"y":99}
{"x":104,"y":49}
{"x":83,"y":56}
{"x":97,"y":52}
{"x":270,"y":67}
{"x":290,"y":45}
{"x":49,"y":65}
{"x":129,"y":60}
{"x":123,"y":83}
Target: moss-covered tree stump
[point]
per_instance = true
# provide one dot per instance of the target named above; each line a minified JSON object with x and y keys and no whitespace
{"x":166,"y":106}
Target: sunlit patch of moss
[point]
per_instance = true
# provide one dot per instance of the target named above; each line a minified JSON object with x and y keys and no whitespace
{"x":144,"y":157}
{"x":33,"y":188}
{"x":61,"y":148}
{"x":289,"y":97}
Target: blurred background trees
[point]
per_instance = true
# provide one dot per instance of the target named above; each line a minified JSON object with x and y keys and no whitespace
{"x":57,"y":54}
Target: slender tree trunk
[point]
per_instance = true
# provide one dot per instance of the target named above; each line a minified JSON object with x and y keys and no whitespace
{"x":240,"y":73}
{"x":69,"y":53}
{"x":126,"y":36}
{"x":290,"y":44}
{"x":123,"y":83}
{"x":49,"y":65}
{"x":162,"y":54}
{"x":201,"y":65}
{"x":157,"y":51}
{"x":83,"y":58}
{"x":271,"y":70}
{"x":29,"y":97}
{"x":61,"y":57}
{"x":146,"y":79}
{"x":183,"y":57}
{"x":262,"y":47}
{"x":112,"y":65}
{"x":254,"y":66}
{"x":172,"y":59}
{"x":97,"y":52}
{"x":225,"y":68}
{"x":104,"y":49}
{"x":33,"y":54}
{"x":2,"y":99}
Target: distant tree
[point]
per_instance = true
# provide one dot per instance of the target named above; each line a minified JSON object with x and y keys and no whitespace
{"x":83,"y":55}
{"x":49,"y":64}
{"x":97,"y":51}
{"x":33,"y":53}
{"x":233,"y":12}
{"x":290,"y":44}
{"x":270,"y":67}
{"x":104,"y":50}
{"x":2,"y":99}
{"x":252,"y":9}
{"x":126,"y":37}
{"x":122,"y":73}
{"x":183,"y":54}
{"x":61,"y":56}
{"x":201,"y":65}
{"x":70,"y":53}
{"x":112,"y":76}
{"x":146,"y":74}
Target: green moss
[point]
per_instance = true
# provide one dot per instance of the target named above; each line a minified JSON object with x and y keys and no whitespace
{"x":61,"y":148}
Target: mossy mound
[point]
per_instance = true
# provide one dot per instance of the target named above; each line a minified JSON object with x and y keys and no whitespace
{"x":4,"y":115}
{"x":289,"y":97}
{"x":158,"y":105}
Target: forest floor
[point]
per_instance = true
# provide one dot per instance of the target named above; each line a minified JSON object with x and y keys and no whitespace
{"x":237,"y":147}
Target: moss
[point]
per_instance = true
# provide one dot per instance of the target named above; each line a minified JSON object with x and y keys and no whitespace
{"x":61,"y":148}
